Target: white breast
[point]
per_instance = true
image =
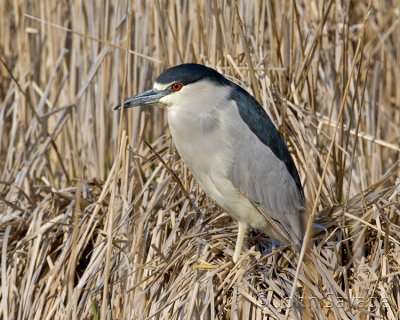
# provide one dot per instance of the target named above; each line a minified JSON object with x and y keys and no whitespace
{"x":200,"y":132}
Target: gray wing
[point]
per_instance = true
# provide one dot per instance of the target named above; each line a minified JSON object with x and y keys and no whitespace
{"x":264,"y":171}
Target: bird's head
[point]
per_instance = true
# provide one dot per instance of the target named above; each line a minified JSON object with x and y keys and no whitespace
{"x":178,"y":84}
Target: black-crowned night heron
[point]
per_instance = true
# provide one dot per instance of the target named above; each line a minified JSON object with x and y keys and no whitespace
{"x":232,"y":148}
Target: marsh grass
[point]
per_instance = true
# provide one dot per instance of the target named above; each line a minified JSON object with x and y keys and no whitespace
{"x":101,"y":219}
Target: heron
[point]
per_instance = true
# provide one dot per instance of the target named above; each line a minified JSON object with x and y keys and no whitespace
{"x":232,"y":149}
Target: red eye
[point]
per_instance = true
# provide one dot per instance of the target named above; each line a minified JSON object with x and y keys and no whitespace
{"x":176,"y":86}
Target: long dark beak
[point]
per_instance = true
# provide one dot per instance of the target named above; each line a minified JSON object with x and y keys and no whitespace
{"x":148,"y":97}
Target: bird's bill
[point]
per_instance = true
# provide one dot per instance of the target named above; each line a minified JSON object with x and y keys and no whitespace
{"x":148,"y":97}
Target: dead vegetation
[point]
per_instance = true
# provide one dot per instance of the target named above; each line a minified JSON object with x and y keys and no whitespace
{"x":99,"y":218}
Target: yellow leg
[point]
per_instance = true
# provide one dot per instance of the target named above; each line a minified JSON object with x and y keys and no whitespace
{"x":239,"y":241}
{"x":204,"y":265}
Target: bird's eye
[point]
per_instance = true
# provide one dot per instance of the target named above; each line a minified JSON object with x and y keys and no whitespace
{"x":176,"y":86}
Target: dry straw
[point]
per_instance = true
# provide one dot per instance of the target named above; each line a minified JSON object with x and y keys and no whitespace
{"x":99,"y":217}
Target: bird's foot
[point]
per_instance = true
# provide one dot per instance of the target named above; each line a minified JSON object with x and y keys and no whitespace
{"x":204,"y":265}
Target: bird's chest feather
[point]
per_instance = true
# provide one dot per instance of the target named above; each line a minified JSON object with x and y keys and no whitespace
{"x":202,"y":142}
{"x":200,"y":139}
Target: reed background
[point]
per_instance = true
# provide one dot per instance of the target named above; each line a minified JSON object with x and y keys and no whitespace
{"x":99,"y":218}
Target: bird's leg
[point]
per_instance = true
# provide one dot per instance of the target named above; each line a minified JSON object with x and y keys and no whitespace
{"x":204,"y":265}
{"x":239,"y":240}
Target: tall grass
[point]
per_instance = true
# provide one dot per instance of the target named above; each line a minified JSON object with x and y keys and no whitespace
{"x":99,"y":217}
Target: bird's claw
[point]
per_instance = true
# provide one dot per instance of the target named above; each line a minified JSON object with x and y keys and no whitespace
{"x":204,"y":265}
